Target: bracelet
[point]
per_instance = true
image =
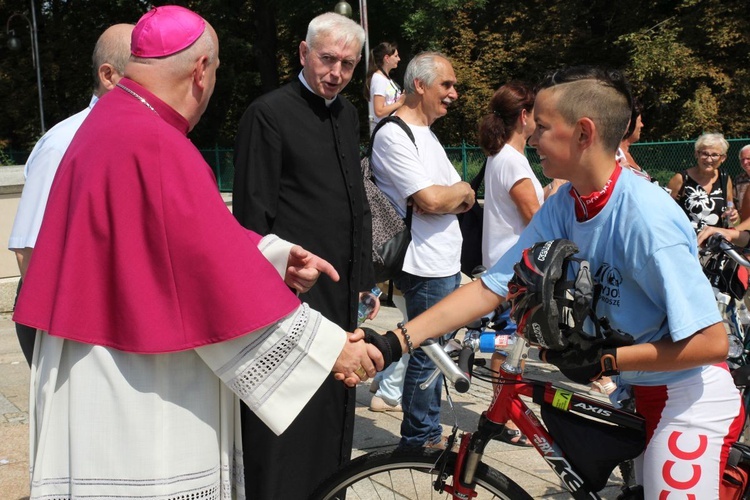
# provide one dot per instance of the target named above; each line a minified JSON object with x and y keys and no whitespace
{"x":407,"y":338}
{"x":748,"y":234}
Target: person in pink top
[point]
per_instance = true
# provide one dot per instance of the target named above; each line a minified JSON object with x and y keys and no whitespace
{"x":144,"y":348}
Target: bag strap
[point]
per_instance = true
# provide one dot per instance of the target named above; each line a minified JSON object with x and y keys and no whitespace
{"x":477,"y":180}
{"x":684,"y":175}
{"x":409,"y":213}
{"x":723,"y":180}
{"x":401,"y":123}
{"x":391,"y":119}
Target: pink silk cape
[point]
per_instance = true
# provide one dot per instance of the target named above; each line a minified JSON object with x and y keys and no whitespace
{"x":137,"y":250}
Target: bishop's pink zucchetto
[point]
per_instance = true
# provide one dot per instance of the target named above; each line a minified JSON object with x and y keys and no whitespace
{"x":165,"y":30}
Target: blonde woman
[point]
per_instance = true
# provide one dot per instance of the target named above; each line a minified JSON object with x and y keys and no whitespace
{"x":704,"y":190}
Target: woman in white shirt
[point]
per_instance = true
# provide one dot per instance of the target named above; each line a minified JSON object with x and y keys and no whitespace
{"x":384,"y":95}
{"x":512,"y":193}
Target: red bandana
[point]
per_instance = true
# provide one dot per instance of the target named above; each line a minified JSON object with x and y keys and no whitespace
{"x":588,"y":206}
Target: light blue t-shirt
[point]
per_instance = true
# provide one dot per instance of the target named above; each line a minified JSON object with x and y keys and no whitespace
{"x":643,"y":252}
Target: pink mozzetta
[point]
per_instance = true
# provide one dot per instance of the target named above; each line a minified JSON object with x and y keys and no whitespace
{"x":166,"y":30}
{"x":137,"y":250}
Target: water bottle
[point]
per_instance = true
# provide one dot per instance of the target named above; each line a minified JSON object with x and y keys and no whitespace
{"x":491,"y":341}
{"x":367,"y":304}
{"x":730,"y":206}
{"x":735,"y":344}
{"x":743,"y":314}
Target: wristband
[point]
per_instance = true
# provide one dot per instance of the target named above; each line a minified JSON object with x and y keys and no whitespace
{"x":609,"y":362}
{"x":389,"y":345}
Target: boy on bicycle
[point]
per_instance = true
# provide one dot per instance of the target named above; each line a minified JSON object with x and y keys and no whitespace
{"x":643,"y":253}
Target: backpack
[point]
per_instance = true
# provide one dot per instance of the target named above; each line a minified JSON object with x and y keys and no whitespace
{"x":471,"y":223}
{"x":391,"y":234}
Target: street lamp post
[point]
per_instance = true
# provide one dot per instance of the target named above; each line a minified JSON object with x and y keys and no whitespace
{"x":14,"y":43}
{"x":363,"y":23}
{"x":345,"y":9}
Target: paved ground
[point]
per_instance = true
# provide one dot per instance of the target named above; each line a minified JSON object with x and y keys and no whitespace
{"x":372,"y":430}
{"x":14,"y":423}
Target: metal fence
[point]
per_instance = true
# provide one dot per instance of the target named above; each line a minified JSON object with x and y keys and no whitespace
{"x":660,"y":159}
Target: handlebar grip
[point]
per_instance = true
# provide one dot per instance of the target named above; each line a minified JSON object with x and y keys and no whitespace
{"x":466,"y":361}
{"x":445,"y":364}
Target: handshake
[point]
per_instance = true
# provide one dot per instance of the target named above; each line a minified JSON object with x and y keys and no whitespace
{"x":365,"y":354}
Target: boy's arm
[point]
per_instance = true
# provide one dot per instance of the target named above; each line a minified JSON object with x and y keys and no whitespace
{"x":584,"y":361}
{"x":466,"y":304}
{"x":705,"y":347}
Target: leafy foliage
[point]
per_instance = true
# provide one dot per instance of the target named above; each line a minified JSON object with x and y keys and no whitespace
{"x":688,"y":60}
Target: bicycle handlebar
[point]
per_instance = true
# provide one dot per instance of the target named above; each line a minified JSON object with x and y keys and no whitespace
{"x":458,"y":377}
{"x":717,"y":242}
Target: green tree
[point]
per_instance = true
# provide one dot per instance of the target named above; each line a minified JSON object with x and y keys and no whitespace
{"x":689,"y":60}
{"x":691,"y":66}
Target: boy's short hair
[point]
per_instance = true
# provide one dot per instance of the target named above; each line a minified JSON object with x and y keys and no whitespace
{"x":599,"y":94}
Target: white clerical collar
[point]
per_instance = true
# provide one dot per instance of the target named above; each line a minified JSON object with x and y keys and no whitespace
{"x":307,"y":86}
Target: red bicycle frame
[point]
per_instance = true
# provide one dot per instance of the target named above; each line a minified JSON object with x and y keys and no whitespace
{"x":508,"y":405}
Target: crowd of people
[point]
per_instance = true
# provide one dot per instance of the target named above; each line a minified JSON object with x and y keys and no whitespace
{"x":178,"y":349}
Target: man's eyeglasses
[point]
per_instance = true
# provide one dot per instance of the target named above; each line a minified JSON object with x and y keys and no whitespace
{"x":710,"y":156}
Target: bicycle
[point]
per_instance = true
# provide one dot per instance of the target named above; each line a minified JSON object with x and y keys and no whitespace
{"x":417,"y":473}
{"x":716,"y":258}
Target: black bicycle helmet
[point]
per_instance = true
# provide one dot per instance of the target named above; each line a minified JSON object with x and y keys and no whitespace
{"x":545,"y":304}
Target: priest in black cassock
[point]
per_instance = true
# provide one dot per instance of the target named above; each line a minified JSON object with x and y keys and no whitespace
{"x":297,"y":175}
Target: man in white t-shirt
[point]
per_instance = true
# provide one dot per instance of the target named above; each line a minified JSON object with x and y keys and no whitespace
{"x":420,"y":171}
{"x":111,"y":54}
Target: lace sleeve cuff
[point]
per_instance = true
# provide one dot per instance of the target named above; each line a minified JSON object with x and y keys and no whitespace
{"x":276,"y":370}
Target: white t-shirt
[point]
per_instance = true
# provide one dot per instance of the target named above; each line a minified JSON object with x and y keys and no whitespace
{"x":400,"y":171}
{"x":380,"y":85}
{"x":39,"y":171}
{"x":502,"y":221}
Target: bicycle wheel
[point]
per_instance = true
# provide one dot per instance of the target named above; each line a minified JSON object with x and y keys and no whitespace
{"x":409,"y":475}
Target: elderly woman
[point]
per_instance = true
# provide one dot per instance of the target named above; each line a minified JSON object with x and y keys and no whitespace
{"x":704,"y":190}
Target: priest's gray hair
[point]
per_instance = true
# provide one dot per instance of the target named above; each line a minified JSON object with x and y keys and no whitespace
{"x":341,"y":28}
{"x":423,"y":68}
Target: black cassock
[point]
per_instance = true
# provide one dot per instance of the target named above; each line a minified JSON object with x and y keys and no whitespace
{"x":297,"y":175}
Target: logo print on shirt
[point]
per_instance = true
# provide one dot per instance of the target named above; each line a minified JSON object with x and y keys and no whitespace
{"x":610,"y":279}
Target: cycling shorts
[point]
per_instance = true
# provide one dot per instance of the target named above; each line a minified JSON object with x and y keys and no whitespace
{"x":690,"y":426}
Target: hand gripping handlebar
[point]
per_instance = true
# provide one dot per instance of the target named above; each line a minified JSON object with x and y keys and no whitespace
{"x":459,"y":376}
{"x":718,"y":242}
